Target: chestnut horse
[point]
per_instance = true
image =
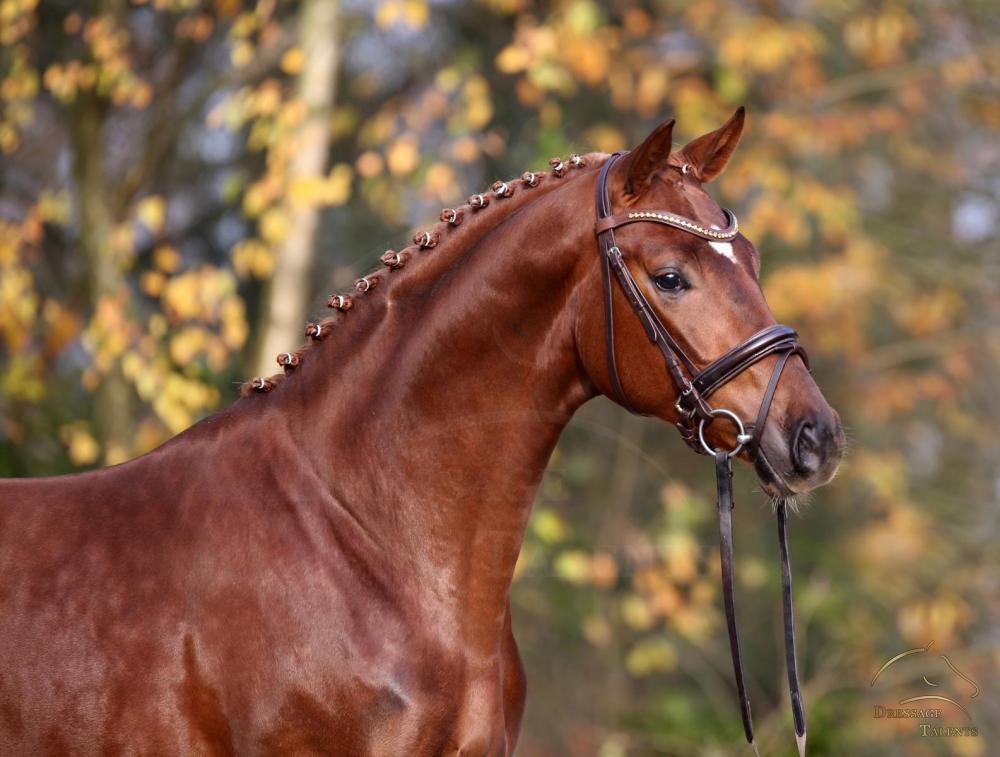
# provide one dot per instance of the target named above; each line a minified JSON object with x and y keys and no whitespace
{"x":324,"y":567}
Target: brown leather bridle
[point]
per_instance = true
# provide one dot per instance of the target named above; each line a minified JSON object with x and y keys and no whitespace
{"x":694,"y":387}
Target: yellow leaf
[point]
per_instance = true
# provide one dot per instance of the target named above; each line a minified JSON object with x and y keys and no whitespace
{"x":478,"y":107}
{"x":479,"y":113}
{"x":337,"y":189}
{"x":152,"y":212}
{"x":274,"y":225}
{"x":637,"y":613}
{"x":241,"y":54}
{"x":115,"y":455}
{"x":529,"y":93}
{"x":81,"y":446}
{"x":142,"y":95}
{"x":252,"y":257}
{"x":54,"y":206}
{"x":305,"y":191}
{"x":652,"y":88}
{"x":403,"y":155}
{"x":152,"y":283}
{"x":123,"y":242}
{"x":753,"y":573}
{"x":680,"y":551}
{"x":603,"y":570}
{"x":166,"y":258}
{"x":150,"y":435}
{"x":157,"y":325}
{"x":369,"y":164}
{"x":651,"y":656}
{"x":63,"y":326}
{"x":293,"y":61}
{"x":513,"y":59}
{"x":234,"y":323}
{"x":448,"y":79}
{"x":416,"y":13}
{"x":590,"y":61}
{"x":388,"y":13}
{"x":605,"y":138}
{"x":411,"y":12}
{"x":548,"y":526}
{"x":441,"y":181}
{"x":572,"y":566}
{"x":186,"y":344}
{"x":23,"y":379}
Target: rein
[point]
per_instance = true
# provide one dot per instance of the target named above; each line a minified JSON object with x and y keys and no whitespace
{"x":694,"y":387}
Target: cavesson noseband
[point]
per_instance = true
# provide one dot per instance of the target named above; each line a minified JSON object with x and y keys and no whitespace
{"x":694,"y":387}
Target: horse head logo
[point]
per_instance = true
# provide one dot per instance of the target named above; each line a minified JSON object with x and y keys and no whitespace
{"x":933,"y":696}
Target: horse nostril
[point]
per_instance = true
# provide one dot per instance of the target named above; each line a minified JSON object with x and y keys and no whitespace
{"x":807,"y":448}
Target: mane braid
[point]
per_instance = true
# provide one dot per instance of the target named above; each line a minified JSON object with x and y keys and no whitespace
{"x":448,"y":229}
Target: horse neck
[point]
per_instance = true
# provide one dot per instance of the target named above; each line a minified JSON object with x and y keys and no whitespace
{"x":431,"y":412}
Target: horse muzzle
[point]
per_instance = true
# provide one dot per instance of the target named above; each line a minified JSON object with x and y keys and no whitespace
{"x":797,"y":457}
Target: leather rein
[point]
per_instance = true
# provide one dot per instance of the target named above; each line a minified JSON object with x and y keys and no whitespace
{"x":694,"y":387}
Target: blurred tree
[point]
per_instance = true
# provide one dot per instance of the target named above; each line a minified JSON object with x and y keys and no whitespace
{"x":86,"y":117}
{"x":120,"y":79}
{"x":288,"y":293}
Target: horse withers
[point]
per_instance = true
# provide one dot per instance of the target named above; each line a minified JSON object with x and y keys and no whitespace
{"x":324,"y":567}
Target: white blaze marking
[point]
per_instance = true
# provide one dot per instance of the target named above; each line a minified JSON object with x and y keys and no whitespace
{"x":723,"y":248}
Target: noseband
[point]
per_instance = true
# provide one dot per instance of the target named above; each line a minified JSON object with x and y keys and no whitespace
{"x":694,"y":387}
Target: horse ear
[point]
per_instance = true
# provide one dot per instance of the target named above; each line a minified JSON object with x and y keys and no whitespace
{"x":708,"y":154}
{"x":649,"y":157}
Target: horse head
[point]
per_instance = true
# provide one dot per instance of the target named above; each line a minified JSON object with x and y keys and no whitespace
{"x":698,"y":297}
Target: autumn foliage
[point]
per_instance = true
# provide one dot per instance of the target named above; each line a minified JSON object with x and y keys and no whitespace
{"x":149,"y":187}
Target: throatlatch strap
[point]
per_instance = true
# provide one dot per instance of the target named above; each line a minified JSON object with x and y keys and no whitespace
{"x":605,"y":243}
{"x":612,"y":261}
{"x":724,"y":483}
{"x":609,"y":336}
{"x":795,"y":693}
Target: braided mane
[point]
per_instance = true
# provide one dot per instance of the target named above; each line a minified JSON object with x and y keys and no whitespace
{"x":447,"y":233}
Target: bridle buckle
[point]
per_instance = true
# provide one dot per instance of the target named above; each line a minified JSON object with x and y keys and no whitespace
{"x":678,"y":406}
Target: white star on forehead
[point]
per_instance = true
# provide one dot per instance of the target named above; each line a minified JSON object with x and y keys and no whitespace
{"x":723,"y":248}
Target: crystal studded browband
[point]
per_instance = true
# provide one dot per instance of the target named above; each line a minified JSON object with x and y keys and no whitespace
{"x":673,"y":219}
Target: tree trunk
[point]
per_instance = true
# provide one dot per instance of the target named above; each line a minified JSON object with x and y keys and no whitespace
{"x":287,"y":297}
{"x":113,"y":408}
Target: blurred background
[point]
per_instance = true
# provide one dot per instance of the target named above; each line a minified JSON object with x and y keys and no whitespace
{"x":182,"y":182}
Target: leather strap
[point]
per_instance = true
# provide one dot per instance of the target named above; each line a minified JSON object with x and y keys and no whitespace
{"x":612,"y":261}
{"x":667,"y":218}
{"x":742,"y":356}
{"x":604,"y":207}
{"x":724,"y":484}
{"x":791,"y":665}
{"x":757,"y":429}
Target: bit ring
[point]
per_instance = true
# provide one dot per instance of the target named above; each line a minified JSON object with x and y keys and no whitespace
{"x":742,"y":437}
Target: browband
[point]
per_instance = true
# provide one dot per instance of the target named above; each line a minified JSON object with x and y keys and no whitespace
{"x":672,"y":219}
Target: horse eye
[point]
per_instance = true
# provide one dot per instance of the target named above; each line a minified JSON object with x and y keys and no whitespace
{"x":670,"y":282}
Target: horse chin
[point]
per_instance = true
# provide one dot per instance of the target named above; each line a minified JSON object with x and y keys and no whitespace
{"x":771,"y":481}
